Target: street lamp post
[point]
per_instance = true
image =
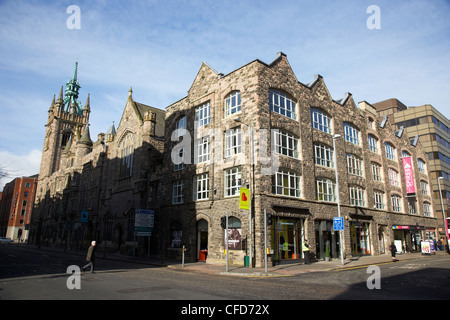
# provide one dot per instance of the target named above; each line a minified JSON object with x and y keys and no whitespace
{"x":336,"y":136}
{"x":250,"y":189}
{"x":443,"y":213}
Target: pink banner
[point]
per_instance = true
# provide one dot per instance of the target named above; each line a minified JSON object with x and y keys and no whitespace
{"x":409,"y":175}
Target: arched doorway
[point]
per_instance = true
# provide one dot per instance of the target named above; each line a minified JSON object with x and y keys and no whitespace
{"x":202,"y":240}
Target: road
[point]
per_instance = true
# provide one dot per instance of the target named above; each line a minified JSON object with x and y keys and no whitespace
{"x":32,"y":274}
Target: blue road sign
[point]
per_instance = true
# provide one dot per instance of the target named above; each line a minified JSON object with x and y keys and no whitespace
{"x":84,"y":216}
{"x":338,"y":223}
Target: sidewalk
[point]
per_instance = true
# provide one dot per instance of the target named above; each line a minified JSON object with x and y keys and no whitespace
{"x":298,"y":268}
{"x":282,"y":270}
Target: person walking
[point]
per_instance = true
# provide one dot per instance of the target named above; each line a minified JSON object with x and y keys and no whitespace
{"x":90,"y":257}
{"x":305,"y":248}
{"x":393,"y":250}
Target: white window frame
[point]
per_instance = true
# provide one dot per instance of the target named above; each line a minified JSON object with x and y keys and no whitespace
{"x":326,"y":190}
{"x":323,"y":155}
{"x":412,"y":206}
{"x":233,"y":141}
{"x":202,"y":115}
{"x":280,"y":103}
{"x":320,"y":121}
{"x":378,"y":199}
{"x":377,"y":172}
{"x":373,"y":144}
{"x":421,"y":165}
{"x":233,"y":180}
{"x":180,"y":166}
{"x":201,"y":187}
{"x":357,"y":196}
{"x":355,"y":165}
{"x":396,"y":202}
{"x":177,"y":192}
{"x":390,"y":151}
{"x":427,"y":212}
{"x":286,"y":144}
{"x":393,"y":177}
{"x":287,"y":183}
{"x":233,"y":103}
{"x":351,"y":134}
{"x":180,"y":126}
{"x":202,"y":150}
{"x":424,"y":188}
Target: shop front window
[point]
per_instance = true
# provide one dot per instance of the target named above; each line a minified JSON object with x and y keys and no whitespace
{"x":360,"y":238}
{"x":326,"y":239}
{"x":287,"y":238}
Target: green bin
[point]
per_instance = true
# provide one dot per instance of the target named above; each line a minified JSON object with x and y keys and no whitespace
{"x":246,"y":261}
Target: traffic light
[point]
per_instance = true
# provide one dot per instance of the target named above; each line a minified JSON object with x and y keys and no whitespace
{"x":269,"y":219}
{"x":223,"y":222}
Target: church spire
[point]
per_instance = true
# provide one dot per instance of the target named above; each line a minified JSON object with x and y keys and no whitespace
{"x":71,"y":95}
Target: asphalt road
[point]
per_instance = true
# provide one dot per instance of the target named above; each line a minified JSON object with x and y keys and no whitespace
{"x":32,"y":274}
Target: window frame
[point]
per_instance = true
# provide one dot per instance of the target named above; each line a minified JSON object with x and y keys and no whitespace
{"x":201,"y":187}
{"x":177,"y":192}
{"x":233,"y":181}
{"x":202,"y":114}
{"x":279,"y":102}
{"x":326,"y":185}
{"x":291,"y":147}
{"x":351,"y":134}
{"x":231,"y":108}
{"x":320,"y":120}
{"x":278,"y":183}
{"x":233,"y":142}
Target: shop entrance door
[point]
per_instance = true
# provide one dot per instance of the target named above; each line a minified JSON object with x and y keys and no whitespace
{"x":202,"y":240}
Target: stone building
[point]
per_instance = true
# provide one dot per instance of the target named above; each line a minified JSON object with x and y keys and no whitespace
{"x":90,"y":190}
{"x":433,"y":130}
{"x":259,"y":127}
{"x":256,"y":128}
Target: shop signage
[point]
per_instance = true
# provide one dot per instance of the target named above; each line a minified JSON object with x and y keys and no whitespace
{"x":408,"y":227}
{"x":409,"y":175}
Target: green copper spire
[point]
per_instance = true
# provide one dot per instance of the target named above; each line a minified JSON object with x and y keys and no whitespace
{"x":71,"y":94}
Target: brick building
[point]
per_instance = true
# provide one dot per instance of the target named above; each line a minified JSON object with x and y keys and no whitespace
{"x":289,"y":168}
{"x":16,"y":208}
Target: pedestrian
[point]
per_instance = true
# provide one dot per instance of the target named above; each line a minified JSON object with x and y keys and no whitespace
{"x":305,"y":248}
{"x":90,"y":257}
{"x":393,"y":250}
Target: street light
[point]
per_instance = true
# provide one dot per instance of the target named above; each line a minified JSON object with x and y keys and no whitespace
{"x":443,"y":212}
{"x":336,"y":136}
{"x":250,"y":188}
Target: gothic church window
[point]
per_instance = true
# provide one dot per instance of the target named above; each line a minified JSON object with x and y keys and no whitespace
{"x":126,"y":155}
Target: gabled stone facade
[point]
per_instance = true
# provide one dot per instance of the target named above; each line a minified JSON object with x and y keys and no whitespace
{"x":283,"y":181}
{"x":89,"y":190}
{"x":257,"y":127}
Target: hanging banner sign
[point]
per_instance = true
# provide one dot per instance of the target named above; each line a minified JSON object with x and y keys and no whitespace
{"x":244,"y":200}
{"x":409,"y":175}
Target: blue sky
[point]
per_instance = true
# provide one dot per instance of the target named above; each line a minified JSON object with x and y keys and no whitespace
{"x":157,"y":47}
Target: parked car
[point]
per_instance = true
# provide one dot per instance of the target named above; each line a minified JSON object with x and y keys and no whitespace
{"x":5,"y":240}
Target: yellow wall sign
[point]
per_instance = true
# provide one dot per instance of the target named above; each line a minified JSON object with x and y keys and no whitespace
{"x":244,"y":199}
